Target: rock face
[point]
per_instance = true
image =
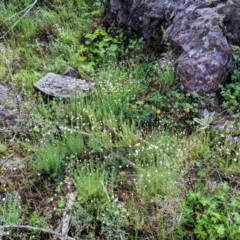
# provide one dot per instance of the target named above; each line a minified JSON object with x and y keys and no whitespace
{"x":55,"y":85}
{"x":231,"y":22}
{"x":3,"y":92}
{"x":199,"y":32}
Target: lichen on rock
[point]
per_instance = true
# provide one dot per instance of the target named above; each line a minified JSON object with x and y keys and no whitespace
{"x":199,"y":33}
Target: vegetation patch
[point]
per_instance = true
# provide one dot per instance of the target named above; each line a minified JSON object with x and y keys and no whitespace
{"x":137,"y":159}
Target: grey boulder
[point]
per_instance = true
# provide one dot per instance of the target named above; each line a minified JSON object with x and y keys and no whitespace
{"x":55,"y":85}
{"x":199,"y":31}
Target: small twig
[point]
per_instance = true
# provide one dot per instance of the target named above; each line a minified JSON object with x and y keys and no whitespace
{"x":66,"y":215}
{"x":59,"y":127}
{"x":27,"y":227}
{"x":8,"y":159}
{"x":148,"y":143}
{"x":26,"y":10}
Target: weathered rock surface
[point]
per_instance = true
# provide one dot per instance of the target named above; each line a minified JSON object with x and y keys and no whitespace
{"x":3,"y":92}
{"x":199,"y":32}
{"x":231,"y":21}
{"x":12,"y":164}
{"x":6,"y":115}
{"x":55,"y":85}
{"x":9,"y":101}
{"x":71,"y":72}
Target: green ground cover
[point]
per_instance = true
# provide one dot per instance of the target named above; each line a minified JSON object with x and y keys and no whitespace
{"x":140,"y":157}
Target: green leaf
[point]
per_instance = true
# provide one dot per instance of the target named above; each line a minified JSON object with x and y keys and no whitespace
{"x":3,"y":148}
{"x":200,"y":232}
{"x":205,"y":202}
{"x":205,"y":113}
{"x":197,"y":120}
{"x":220,"y":229}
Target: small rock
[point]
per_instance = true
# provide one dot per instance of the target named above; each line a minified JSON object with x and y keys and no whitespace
{"x":71,"y":72}
{"x":3,"y":93}
{"x":16,"y":65}
{"x":5,"y":114}
{"x":12,"y":164}
{"x":55,"y":85}
{"x":226,"y":123}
